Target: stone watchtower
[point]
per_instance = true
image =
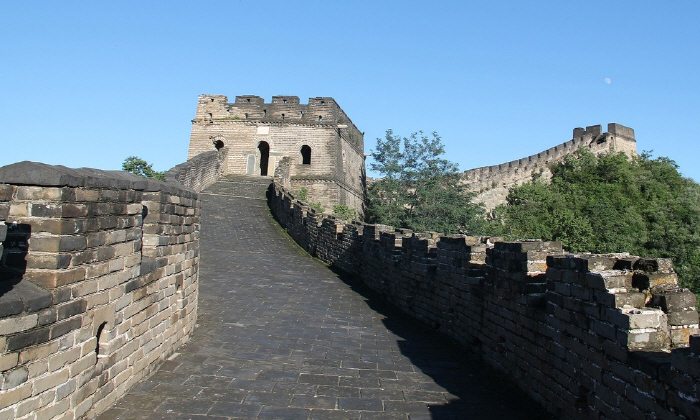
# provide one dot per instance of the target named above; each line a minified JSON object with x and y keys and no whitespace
{"x":313,"y":146}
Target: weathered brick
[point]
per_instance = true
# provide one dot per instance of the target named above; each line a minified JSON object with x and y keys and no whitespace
{"x":29,"y":193}
{"x":8,"y":361}
{"x":15,"y":395}
{"x":13,"y":325}
{"x":51,"y":279}
{"x":72,"y":308}
{"x":28,"y":338}
{"x":14,"y":377}
{"x":65,"y":327}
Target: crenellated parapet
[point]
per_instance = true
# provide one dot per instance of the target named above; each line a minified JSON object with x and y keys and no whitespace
{"x":319,"y":111}
{"x":491,"y":183}
{"x":585,"y":335}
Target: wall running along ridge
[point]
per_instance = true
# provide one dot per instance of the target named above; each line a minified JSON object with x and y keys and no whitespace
{"x":491,"y":183}
{"x":99,"y":282}
{"x":587,"y":336}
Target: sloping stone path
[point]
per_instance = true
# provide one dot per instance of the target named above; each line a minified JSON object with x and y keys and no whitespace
{"x":281,"y":336}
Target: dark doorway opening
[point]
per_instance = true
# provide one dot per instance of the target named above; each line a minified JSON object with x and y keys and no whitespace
{"x":305,"y":155}
{"x":218,"y":144}
{"x":264,"y":157}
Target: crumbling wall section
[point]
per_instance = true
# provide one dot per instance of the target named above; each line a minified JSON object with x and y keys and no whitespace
{"x":587,"y":336}
{"x":100,"y":285}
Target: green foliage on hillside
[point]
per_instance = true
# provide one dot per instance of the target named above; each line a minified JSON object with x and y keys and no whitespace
{"x":419,"y":189}
{"x":611,"y":204}
{"x":140,"y":167}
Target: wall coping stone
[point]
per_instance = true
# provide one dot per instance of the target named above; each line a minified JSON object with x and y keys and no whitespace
{"x":41,"y":174}
{"x":18,"y":296}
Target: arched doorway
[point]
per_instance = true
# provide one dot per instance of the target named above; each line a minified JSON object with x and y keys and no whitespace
{"x":264,"y":157}
{"x":305,"y":155}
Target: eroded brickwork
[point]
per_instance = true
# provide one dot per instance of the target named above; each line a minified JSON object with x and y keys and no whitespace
{"x":99,"y":285}
{"x":587,"y":336}
{"x":323,"y":148}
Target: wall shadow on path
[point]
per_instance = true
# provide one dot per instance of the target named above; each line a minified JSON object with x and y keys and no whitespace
{"x":477,"y":390}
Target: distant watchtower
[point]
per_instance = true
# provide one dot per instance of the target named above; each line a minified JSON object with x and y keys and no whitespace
{"x":313,"y":146}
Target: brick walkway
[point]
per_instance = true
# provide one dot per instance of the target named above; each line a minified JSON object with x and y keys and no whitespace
{"x":281,"y":336}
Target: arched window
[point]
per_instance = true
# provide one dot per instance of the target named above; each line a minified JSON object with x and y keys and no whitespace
{"x":306,"y":155}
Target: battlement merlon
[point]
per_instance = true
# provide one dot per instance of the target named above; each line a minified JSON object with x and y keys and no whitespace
{"x":614,"y":129}
{"x":288,"y":109}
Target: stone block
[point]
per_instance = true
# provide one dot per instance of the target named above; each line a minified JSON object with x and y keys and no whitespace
{"x":6,"y":192}
{"x":654,"y":265}
{"x":596,"y":263}
{"x":680,"y":335}
{"x":45,"y":210}
{"x":610,"y":279}
{"x":644,"y":339}
{"x":17,"y":324}
{"x":674,"y":300}
{"x":683,"y":317}
{"x":50,"y":279}
{"x":629,"y":300}
{"x":10,"y":304}
{"x":48,"y":261}
{"x":8,"y":361}
{"x":65,"y":327}
{"x":30,"y":193}
{"x":656,"y":282}
{"x":85,"y":194}
{"x":14,"y":378}
{"x":28,"y":338}
{"x":72,"y":308}
{"x":4,"y":210}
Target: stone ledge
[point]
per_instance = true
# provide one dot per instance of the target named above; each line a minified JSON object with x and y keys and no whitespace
{"x":18,"y":296}
{"x":41,"y":174}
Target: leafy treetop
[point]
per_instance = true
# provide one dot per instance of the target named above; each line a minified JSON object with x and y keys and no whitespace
{"x":419,"y":189}
{"x":140,"y":167}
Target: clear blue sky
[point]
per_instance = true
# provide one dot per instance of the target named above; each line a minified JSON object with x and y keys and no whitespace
{"x":87,"y":83}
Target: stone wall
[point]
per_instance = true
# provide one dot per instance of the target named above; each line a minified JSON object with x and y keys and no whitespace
{"x":491,"y":183}
{"x":587,"y":336}
{"x":200,"y":171}
{"x":98,"y":285}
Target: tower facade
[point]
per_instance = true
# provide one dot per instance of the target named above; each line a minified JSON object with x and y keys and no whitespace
{"x":312,"y":146}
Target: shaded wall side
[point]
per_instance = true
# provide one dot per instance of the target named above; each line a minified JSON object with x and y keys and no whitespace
{"x":109,"y":288}
{"x":585,"y":336}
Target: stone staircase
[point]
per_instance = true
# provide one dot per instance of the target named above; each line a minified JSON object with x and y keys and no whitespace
{"x":241,"y":186}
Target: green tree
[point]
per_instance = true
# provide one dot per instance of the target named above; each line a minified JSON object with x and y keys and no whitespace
{"x":419,"y":189}
{"x":344,"y":212}
{"x":140,"y":167}
{"x":611,"y":203}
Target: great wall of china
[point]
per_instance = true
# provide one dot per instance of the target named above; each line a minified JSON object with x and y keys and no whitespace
{"x":100,"y":279}
{"x":491,"y":183}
